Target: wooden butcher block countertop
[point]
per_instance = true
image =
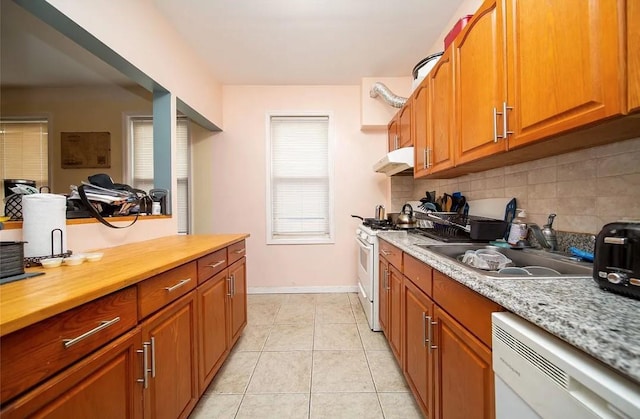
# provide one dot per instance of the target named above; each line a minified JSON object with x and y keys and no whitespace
{"x":31,"y":300}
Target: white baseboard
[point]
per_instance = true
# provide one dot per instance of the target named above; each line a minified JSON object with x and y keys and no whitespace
{"x":302,"y":290}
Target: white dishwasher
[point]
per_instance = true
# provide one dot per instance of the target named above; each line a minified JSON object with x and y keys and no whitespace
{"x":537,"y":375}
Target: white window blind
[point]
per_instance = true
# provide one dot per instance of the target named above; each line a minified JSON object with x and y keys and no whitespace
{"x":299,"y":180}
{"x":24,"y":151}
{"x":142,"y":163}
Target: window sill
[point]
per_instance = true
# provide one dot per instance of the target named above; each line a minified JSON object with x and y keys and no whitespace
{"x":16,"y":225}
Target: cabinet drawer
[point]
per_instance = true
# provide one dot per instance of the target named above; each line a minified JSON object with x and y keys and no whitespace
{"x":419,"y":273}
{"x":391,"y":254}
{"x":211,"y":264}
{"x":468,"y":307}
{"x":236,"y":251}
{"x":156,"y":292}
{"x":35,"y":353}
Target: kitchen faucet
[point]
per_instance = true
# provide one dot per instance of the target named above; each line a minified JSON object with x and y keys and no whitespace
{"x":545,"y":236}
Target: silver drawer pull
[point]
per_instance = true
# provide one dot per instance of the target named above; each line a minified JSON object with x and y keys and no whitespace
{"x":178,"y":285}
{"x":218,"y":263}
{"x":103,"y":325}
{"x":239,"y":251}
{"x":384,"y":252}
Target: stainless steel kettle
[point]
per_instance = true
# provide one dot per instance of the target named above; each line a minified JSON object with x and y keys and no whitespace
{"x":406,"y":215}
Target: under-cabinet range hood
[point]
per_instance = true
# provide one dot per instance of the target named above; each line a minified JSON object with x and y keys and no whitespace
{"x":395,"y":161}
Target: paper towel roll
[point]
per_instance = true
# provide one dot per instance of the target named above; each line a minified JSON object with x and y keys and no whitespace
{"x":41,"y":214}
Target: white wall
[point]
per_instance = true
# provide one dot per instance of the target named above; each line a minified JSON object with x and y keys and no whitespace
{"x":230,"y":186}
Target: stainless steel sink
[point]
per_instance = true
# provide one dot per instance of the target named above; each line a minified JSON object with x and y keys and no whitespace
{"x":567,"y":267}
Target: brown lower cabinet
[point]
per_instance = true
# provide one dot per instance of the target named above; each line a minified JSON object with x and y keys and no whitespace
{"x":445,"y":349}
{"x":102,"y":385}
{"x":117,"y":366}
{"x":169,"y":337}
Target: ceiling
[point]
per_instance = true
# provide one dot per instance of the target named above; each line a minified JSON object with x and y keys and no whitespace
{"x":273,"y":42}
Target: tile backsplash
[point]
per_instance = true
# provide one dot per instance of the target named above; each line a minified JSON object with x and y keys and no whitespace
{"x":586,"y":188}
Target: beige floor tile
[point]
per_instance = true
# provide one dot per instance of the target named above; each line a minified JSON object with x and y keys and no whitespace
{"x":336,"y":337}
{"x":295,"y":314}
{"x":282,"y":372}
{"x":386,"y":373}
{"x":372,"y":341}
{"x":399,"y":406}
{"x":345,"y":406}
{"x":333,"y":298}
{"x":358,"y":313}
{"x":353,"y":298}
{"x":274,"y":406}
{"x":290,"y":337}
{"x":341,"y":371}
{"x":253,"y":337}
{"x":262,"y":313}
{"x":217,"y":406}
{"x":235,"y":373}
{"x":265,"y":298}
{"x":300,"y":299}
{"x":334,"y":313}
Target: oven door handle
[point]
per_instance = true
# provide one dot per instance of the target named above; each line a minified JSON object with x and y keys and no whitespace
{"x":365,"y":246}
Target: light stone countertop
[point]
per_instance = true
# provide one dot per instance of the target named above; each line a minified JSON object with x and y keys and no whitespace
{"x":604,"y":325}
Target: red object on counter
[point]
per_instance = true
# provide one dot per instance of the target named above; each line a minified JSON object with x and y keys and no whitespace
{"x":456,"y":30}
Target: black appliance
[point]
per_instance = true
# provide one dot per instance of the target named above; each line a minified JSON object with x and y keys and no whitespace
{"x":616,"y":264}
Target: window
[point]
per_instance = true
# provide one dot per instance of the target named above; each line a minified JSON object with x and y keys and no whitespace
{"x":141,"y":163}
{"x":24,"y":151}
{"x":300,"y":181}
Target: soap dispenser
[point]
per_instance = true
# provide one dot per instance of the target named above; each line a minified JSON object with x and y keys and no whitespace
{"x":519,"y":229}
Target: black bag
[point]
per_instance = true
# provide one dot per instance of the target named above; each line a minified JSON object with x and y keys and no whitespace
{"x":131,"y":199}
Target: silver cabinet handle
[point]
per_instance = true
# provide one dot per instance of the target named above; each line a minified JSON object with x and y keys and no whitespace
{"x":239,"y":251}
{"x":218,"y":263}
{"x":505,"y":131}
{"x":430,"y":333}
{"x":424,"y":329}
{"x":153,"y":357}
{"x":495,"y":125}
{"x":145,"y":365}
{"x":178,"y":285}
{"x":384,"y":252}
{"x":233,"y":285}
{"x":425,"y":164}
{"x":395,"y":142}
{"x":103,"y":325}
{"x":388,"y":287}
{"x":228,"y":286}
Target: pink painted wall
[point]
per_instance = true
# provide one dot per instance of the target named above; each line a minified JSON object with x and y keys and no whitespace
{"x":154,"y":47}
{"x":230,"y":186}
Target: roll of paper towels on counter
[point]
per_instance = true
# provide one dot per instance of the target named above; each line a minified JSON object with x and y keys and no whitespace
{"x":42,"y":213}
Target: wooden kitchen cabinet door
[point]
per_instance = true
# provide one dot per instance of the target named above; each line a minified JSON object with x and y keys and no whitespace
{"x":441,"y":135}
{"x":418,"y":362}
{"x":101,"y":385}
{"x":395,"y":312}
{"x":237,"y":299}
{"x":480,"y":84}
{"x":633,"y":55}
{"x":213,"y":343}
{"x":405,"y":136}
{"x":383,"y":293}
{"x":170,"y":336}
{"x":420,"y":109}
{"x":464,"y":377}
{"x":564,"y":66}
{"x":393,"y":133}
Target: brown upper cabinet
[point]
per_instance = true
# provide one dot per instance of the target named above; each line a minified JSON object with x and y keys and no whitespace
{"x":529,"y":80}
{"x":433,"y":121}
{"x":563,"y":66}
{"x":633,"y":55}
{"x":400,"y":127}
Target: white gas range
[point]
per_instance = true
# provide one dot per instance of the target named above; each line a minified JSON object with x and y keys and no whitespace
{"x":368,"y":262}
